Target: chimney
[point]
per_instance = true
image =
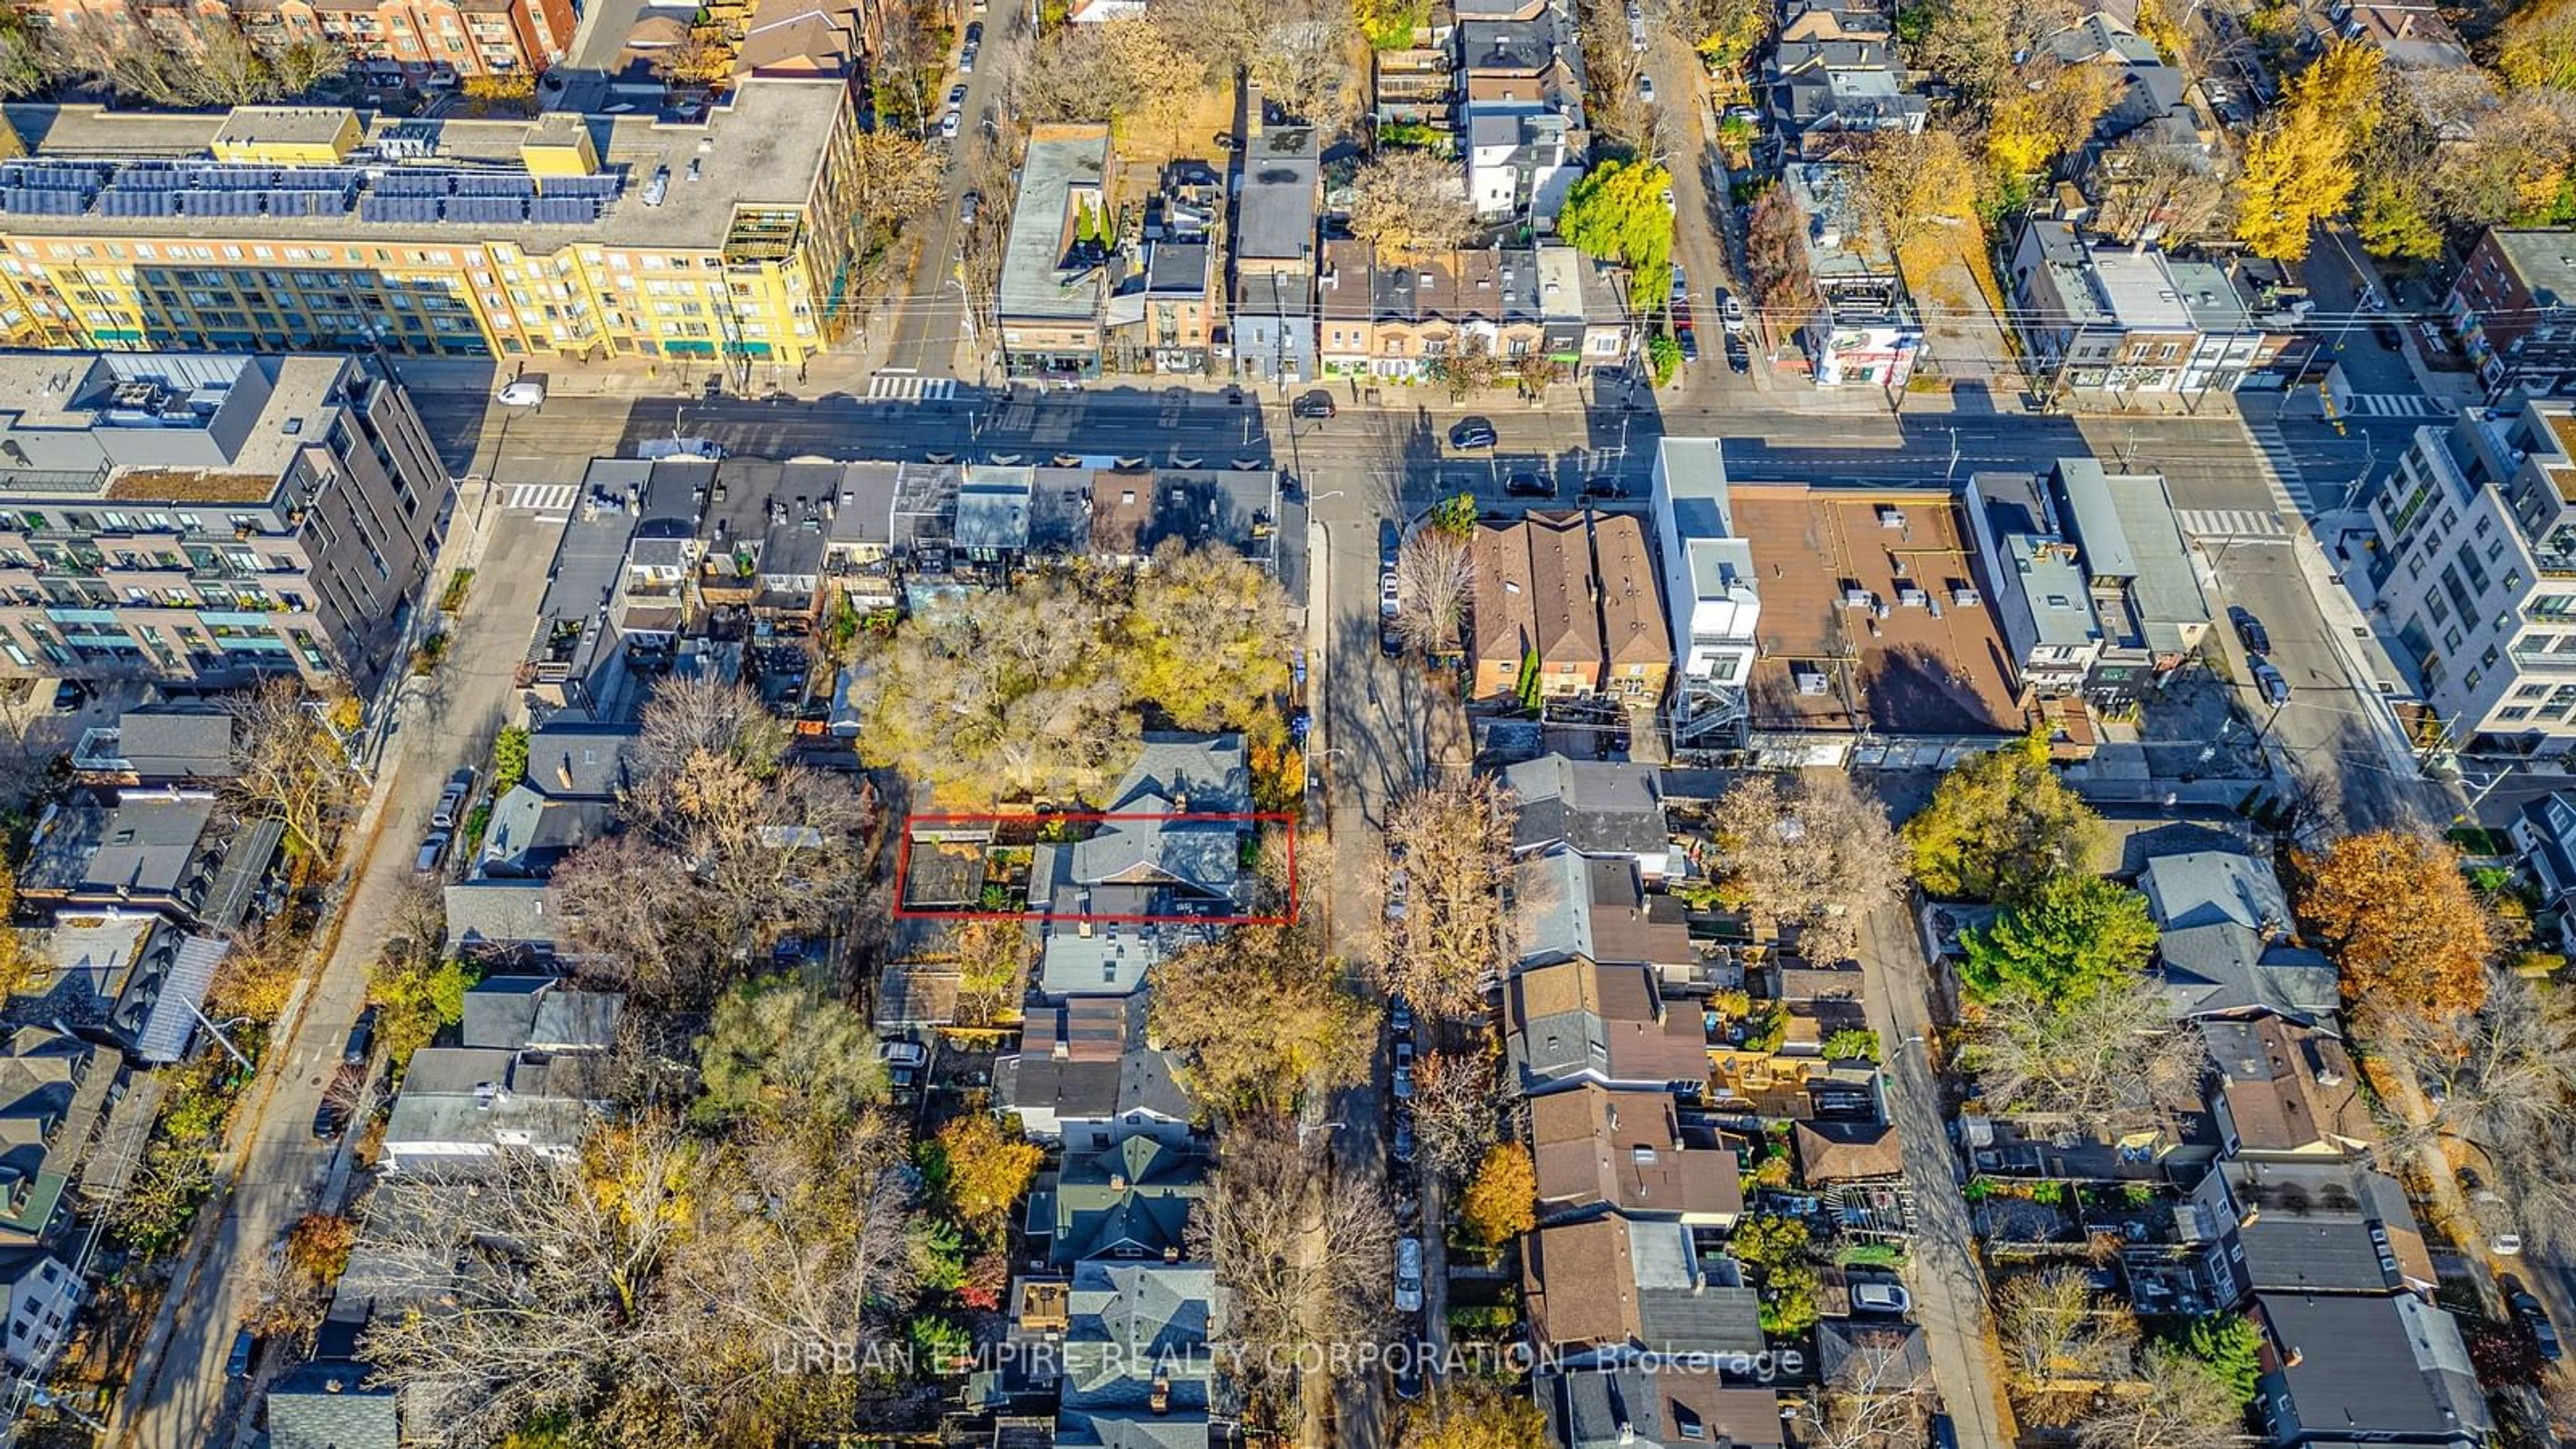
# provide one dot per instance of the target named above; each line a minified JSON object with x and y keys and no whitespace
{"x":1251,"y":111}
{"x":1117,"y":1182}
{"x":1161,"y":1403}
{"x":333,"y":1384}
{"x":563,"y":771}
{"x":2294,"y":1358}
{"x":1171,"y":1255}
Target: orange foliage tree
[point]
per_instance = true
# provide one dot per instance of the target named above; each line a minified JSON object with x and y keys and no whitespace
{"x":2394,"y":911}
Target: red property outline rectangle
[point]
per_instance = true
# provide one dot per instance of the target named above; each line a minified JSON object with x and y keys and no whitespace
{"x":903,"y":868}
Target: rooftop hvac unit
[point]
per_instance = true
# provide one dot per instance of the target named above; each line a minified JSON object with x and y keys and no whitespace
{"x":1911,"y":598}
{"x":1810,"y":683}
{"x":1965,"y":598}
{"x":1856,"y":599}
{"x":1890,"y":516}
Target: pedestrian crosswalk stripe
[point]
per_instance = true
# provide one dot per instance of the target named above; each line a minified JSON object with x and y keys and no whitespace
{"x":911,"y":387}
{"x":2231,"y":523}
{"x":2289,"y":486}
{"x":543,"y":497}
{"x":2395,"y":405}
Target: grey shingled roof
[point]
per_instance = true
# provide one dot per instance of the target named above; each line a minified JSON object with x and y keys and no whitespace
{"x":148,"y":845}
{"x":330,"y":1406}
{"x":2389,"y":1367}
{"x":1597,"y":807}
{"x":2205,"y":887}
{"x":2216,"y":970}
{"x":493,"y":914}
{"x":177,"y":744}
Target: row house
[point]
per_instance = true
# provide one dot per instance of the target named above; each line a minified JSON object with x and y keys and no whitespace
{"x":2514,"y":308}
{"x":1834,"y":75}
{"x":1566,"y":606}
{"x":1396,"y":319}
{"x":2132,"y":319}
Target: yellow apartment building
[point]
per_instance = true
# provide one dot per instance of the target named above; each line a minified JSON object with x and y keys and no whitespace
{"x":725,"y":236}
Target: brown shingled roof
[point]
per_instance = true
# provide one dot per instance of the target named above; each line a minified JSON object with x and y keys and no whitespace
{"x":1567,"y":618}
{"x":1831,"y":1152}
{"x":1503,"y":623}
{"x":1633,"y":630}
{"x":1598,"y":1144}
{"x":1580,"y":1285}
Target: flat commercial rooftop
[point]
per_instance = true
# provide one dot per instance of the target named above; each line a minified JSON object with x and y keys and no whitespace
{"x":763,"y":148}
{"x":1927,"y":668}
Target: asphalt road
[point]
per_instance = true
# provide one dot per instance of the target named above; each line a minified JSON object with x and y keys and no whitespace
{"x":1948,"y":1286}
{"x":180,"y":1395}
{"x":929,"y":319}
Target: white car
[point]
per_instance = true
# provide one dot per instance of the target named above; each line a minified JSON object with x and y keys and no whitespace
{"x":523,"y":395}
{"x":1873,"y":1295}
{"x":1408,"y":1275}
{"x":948,"y":127}
{"x":901,"y":1053}
{"x":1646,"y":89}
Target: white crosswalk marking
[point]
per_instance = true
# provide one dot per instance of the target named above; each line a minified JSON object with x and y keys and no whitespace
{"x":911,"y":387}
{"x":543,"y":497}
{"x":2281,"y":470}
{"x":2396,"y":405}
{"x":2230,"y":523}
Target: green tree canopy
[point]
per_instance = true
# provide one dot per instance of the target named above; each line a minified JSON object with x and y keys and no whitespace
{"x":1999,"y":826}
{"x":1617,"y":213}
{"x":780,"y":1048}
{"x":2075,"y":935}
{"x":2230,"y":1347}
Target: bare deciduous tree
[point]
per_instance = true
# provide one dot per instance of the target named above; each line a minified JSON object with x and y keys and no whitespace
{"x":1301,"y":1255}
{"x":1454,"y":1112}
{"x":543,"y":1296}
{"x":2106,"y":1060}
{"x":2179,"y":1405}
{"x":2059,"y":1343}
{"x":1811,"y":852}
{"x":1410,"y":203}
{"x":1451,"y":843}
{"x":2502,"y":1083}
{"x":287,"y":765}
{"x":1879,"y":1397}
{"x":1432,"y":576}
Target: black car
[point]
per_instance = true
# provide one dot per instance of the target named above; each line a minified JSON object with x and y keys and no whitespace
{"x":1738,"y":356}
{"x":69,"y":696}
{"x":2544,"y":1334}
{"x":1529,"y":485}
{"x":1472,"y":433}
{"x":1316,"y":404}
{"x":1605,"y":486}
{"x":975,"y":33}
{"x":1387,"y":642}
{"x":362,"y":1039}
{"x":1390,"y":542}
{"x":327,"y":1121}
{"x":2387,"y":335}
{"x":1689,"y":341}
{"x":2250,"y":631}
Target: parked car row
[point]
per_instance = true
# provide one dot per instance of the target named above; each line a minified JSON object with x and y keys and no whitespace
{"x":1411,"y":1294}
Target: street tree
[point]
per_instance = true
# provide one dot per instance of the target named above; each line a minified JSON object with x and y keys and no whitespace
{"x":1408,"y":203}
{"x":2299,"y":170}
{"x":287,"y":766}
{"x":1810,"y":852}
{"x":2077,"y":934}
{"x":1501,"y":1203}
{"x":1432,"y":579}
{"x":1464,"y":1412}
{"x":2105,"y":1059}
{"x":1454,"y":1117}
{"x":1999,"y":825}
{"x":1469,"y":367}
{"x":1775,"y":261}
{"x":1452,"y":842}
{"x":1260,"y":1021}
{"x":894,"y":176}
{"x":1301,"y":1254}
{"x":2393,"y":910}
{"x":1616,"y":213}
{"x":779,"y":1048}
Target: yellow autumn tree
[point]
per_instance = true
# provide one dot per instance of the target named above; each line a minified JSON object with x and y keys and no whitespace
{"x":2393,"y":910}
{"x":1502,"y":1203}
{"x":981,"y":1170}
{"x":1916,"y":189}
{"x":2300,"y":170}
{"x":1470,"y":1413}
{"x":2036,"y":124}
{"x":2536,"y":47}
